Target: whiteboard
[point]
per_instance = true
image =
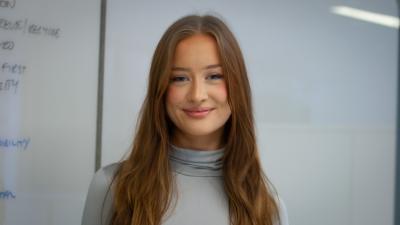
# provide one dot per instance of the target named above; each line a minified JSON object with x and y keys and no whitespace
{"x":324,"y":91}
{"x":48,"y":93}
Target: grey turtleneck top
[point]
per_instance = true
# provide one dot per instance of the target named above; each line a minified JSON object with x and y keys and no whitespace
{"x":200,"y":198}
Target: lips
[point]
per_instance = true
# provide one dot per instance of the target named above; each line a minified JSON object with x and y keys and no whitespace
{"x":197,"y":109}
{"x":197,"y":112}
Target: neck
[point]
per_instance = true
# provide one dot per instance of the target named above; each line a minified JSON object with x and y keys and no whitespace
{"x":195,"y":163}
{"x":201,"y":143}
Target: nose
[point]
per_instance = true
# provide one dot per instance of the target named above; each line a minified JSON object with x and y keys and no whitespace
{"x":198,"y":91}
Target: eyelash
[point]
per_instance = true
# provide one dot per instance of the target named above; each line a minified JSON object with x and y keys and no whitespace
{"x":217,"y":75}
{"x":181,"y":78}
{"x":178,"y":78}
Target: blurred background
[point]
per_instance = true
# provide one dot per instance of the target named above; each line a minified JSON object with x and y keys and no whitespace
{"x":324,"y":82}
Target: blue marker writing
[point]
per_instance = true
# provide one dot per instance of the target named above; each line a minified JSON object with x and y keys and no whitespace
{"x":6,"y":195}
{"x":20,"y":143}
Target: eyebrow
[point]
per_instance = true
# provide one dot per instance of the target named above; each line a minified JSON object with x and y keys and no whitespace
{"x":178,"y":68}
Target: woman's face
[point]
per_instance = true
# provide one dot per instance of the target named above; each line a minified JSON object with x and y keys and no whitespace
{"x":197,"y":96}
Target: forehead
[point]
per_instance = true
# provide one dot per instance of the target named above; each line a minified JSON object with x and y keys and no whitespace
{"x":199,"y":50}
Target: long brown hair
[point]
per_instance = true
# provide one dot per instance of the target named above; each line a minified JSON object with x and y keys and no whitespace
{"x":143,"y":184}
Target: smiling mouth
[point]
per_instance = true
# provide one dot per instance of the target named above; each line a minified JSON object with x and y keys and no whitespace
{"x":198,"y":113}
{"x":197,"y":109}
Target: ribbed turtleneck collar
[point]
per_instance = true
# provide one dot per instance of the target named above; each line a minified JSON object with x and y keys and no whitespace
{"x":196,"y":163}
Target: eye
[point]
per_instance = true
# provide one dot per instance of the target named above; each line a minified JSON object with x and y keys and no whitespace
{"x":216,"y":76}
{"x":178,"y":78}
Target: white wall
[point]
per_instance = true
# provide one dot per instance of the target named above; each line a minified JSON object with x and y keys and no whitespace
{"x":53,"y":106}
{"x":324,"y":89}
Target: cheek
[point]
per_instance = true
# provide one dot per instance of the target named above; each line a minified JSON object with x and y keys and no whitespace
{"x":221,"y":94}
{"x":174,"y":96}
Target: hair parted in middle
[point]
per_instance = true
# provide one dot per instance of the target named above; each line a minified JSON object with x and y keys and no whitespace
{"x":143,"y":185}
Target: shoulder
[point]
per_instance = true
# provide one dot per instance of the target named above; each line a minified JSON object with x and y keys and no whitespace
{"x":103,"y":177}
{"x":106,"y":173}
{"x":283,"y":214}
{"x":102,"y":180}
{"x":99,"y":197}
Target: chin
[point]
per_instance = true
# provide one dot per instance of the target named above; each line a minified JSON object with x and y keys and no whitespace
{"x":196,"y":132}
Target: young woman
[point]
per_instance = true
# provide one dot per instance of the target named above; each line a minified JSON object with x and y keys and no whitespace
{"x":194,"y":158}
